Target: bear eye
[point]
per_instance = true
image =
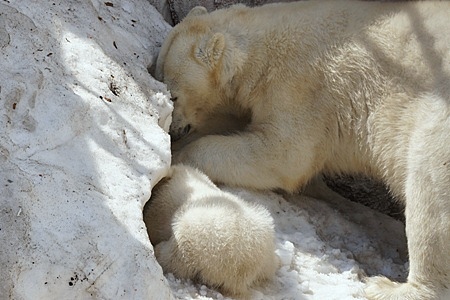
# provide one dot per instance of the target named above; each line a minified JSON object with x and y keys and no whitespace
{"x":174,"y":99}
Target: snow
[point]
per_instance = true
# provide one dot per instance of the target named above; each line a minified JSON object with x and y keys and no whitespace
{"x":326,"y":248}
{"x":84,"y":138}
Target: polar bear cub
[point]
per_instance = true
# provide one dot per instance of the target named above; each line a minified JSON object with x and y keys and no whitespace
{"x":205,"y":234}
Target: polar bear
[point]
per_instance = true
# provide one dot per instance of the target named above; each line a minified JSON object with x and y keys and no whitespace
{"x":201,"y":232}
{"x":330,"y":87}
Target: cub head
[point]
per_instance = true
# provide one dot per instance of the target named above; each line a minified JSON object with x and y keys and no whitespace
{"x":192,"y":64}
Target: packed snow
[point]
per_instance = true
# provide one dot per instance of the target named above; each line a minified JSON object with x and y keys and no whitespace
{"x":326,"y":248}
{"x":84,"y":138}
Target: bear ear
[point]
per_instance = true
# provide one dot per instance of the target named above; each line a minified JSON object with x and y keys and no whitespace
{"x":197,"y":11}
{"x":212,"y":51}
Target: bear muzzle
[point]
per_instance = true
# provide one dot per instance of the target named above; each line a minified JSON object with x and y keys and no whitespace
{"x":178,"y":133}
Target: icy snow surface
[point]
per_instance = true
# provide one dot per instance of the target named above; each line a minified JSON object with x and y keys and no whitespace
{"x":326,"y":248}
{"x":82,"y":142}
{"x":83,"y":139}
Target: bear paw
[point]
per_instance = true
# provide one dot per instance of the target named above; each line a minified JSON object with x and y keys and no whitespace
{"x":381,"y":288}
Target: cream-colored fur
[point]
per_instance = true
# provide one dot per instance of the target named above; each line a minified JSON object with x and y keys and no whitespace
{"x":333,"y":87}
{"x":201,"y":232}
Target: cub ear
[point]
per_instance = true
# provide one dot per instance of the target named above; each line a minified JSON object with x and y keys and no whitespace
{"x":197,"y":11}
{"x":211,"y":52}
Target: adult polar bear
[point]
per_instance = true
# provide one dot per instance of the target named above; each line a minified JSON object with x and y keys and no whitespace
{"x":331,"y":87}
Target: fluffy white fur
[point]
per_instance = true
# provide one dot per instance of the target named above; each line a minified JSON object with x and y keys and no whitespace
{"x":330,"y":87}
{"x":206,"y":234}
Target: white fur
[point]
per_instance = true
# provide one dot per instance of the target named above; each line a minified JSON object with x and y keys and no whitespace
{"x":333,"y":87}
{"x":201,"y":232}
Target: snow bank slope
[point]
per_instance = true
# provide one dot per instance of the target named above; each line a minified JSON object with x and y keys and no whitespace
{"x":81,"y":144}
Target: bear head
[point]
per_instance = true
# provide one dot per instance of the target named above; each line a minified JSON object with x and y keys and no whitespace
{"x":196,"y":62}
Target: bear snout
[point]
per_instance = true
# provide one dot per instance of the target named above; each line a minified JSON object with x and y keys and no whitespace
{"x":178,"y":133}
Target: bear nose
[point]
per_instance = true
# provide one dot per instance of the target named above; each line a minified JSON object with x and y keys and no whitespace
{"x":178,"y":134}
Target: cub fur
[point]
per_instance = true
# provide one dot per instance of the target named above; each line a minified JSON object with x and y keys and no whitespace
{"x":330,"y":87}
{"x":205,"y":234}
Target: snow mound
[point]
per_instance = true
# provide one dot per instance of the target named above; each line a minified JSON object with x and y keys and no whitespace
{"x":83,"y":139}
